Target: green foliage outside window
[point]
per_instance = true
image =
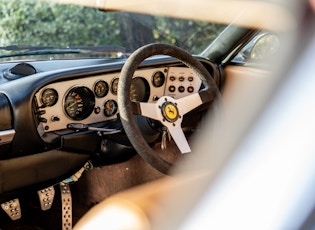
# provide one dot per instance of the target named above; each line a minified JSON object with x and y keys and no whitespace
{"x":62,"y":26}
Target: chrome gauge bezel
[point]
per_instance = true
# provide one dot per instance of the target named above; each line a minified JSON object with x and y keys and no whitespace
{"x":112,"y":109}
{"x":114,"y":85}
{"x":81,"y":109}
{"x":158,"y":81}
{"x":139,"y":89}
{"x":53,"y":98}
{"x":100,"y":88}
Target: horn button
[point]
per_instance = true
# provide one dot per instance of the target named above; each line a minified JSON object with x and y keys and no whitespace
{"x":170,"y":111}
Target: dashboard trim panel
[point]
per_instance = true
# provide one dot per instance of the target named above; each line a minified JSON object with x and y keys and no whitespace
{"x":54,"y":118}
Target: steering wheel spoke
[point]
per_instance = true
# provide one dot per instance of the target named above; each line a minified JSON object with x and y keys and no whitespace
{"x":179,"y":139}
{"x":188,"y":103}
{"x":150,"y":110}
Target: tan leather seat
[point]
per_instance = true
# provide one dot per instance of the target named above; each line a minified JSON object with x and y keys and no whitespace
{"x":142,"y":207}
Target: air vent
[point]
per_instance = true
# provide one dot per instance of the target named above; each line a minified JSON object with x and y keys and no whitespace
{"x":19,"y":71}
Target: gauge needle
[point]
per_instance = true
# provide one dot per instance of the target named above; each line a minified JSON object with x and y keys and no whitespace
{"x":69,"y":106}
{"x":75,"y":102}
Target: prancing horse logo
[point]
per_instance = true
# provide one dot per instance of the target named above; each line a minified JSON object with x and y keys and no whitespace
{"x":170,"y":111}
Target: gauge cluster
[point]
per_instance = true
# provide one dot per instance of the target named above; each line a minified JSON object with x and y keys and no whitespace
{"x":94,"y":99}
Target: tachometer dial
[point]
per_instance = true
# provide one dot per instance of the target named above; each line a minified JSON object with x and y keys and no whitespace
{"x":79,"y":103}
{"x":49,"y":97}
{"x":101,"y":88}
{"x":110,"y":108}
{"x":139,"y":89}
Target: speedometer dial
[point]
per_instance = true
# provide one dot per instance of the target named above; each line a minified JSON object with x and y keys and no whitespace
{"x":79,"y":103}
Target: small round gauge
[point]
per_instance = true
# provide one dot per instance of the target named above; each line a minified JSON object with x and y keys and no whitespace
{"x":100,"y":88}
{"x":49,"y":97}
{"x":114,"y":86}
{"x":158,"y":79}
{"x":139,"y":89}
{"x":110,"y":108}
{"x":79,"y":103}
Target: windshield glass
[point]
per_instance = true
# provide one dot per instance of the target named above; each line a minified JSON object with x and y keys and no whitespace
{"x":42,"y":29}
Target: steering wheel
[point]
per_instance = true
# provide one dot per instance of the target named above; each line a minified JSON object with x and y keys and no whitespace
{"x":167,"y":110}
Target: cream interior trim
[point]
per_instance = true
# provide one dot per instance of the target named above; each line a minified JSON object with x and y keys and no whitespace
{"x":244,"y":84}
{"x":240,"y":79}
{"x":253,"y":14}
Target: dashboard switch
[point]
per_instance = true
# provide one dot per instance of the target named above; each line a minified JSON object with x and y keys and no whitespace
{"x":190,"y":78}
{"x":172,"y":78}
{"x":190,"y":89}
{"x":172,"y":88}
{"x":42,"y":120}
{"x":181,"y":89}
{"x":55,"y":118}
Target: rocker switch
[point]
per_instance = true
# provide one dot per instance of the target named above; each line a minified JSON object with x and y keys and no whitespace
{"x":55,"y":118}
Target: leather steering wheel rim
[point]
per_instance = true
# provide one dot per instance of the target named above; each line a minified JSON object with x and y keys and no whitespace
{"x":127,"y":108}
